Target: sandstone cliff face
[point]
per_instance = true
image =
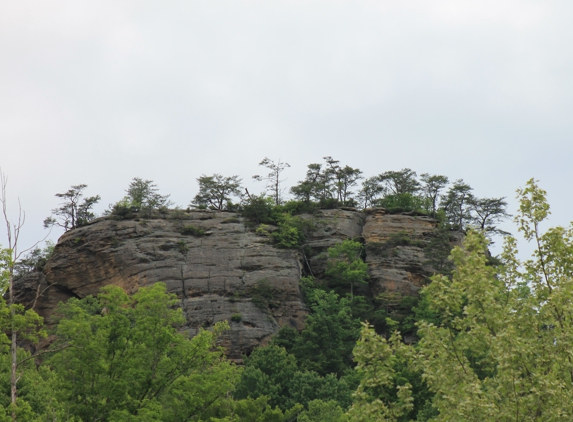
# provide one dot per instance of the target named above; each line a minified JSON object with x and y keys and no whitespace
{"x":220,"y":269}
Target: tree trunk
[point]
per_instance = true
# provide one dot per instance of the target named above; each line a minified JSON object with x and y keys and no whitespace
{"x":13,"y":345}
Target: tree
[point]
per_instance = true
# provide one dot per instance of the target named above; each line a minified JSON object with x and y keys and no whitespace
{"x":143,"y":195}
{"x":21,"y":324}
{"x":432,"y":185}
{"x":487,"y":212}
{"x":400,"y":182}
{"x":325,"y":344}
{"x":457,"y":205}
{"x":501,"y":349}
{"x":125,"y":358}
{"x":345,"y":179}
{"x":73,"y":212}
{"x":309,"y":188}
{"x":273,"y":178}
{"x":216,"y":191}
{"x":346,"y":265}
{"x":34,"y":260}
{"x":371,"y":191}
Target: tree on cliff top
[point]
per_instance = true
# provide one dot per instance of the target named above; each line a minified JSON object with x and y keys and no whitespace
{"x":273,"y":178}
{"x":143,"y":195}
{"x":502,"y":347}
{"x":73,"y":212}
{"x":216,"y":191}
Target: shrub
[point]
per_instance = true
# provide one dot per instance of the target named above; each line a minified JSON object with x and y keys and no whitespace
{"x":292,"y":232}
{"x":193,"y":231}
{"x":405,"y":202}
{"x":236,"y":317}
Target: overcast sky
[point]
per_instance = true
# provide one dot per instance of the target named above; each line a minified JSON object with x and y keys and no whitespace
{"x":99,"y":92}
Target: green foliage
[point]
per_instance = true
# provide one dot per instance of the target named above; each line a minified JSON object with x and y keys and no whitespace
{"x":125,"y":358}
{"x":323,"y":411}
{"x":457,"y":205}
{"x":73,"y":212}
{"x":236,"y":317}
{"x":432,"y":185}
{"x":259,"y":210}
{"x":5,"y":265}
{"x":437,"y":251}
{"x":34,"y":387}
{"x":216,"y":191}
{"x":34,"y":260}
{"x":381,"y":395}
{"x":273,"y":178}
{"x":494,"y":341}
{"x":329,"y":184}
{"x":271,"y":371}
{"x":292,"y":231}
{"x":405,"y":202}
{"x":143,"y":195}
{"x":325,"y":345}
{"x":190,"y":230}
{"x":345,"y":264}
{"x":400,"y":182}
{"x":262,"y":295}
{"x":255,"y":410}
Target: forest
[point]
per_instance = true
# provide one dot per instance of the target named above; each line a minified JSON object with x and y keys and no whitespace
{"x":492,"y":334}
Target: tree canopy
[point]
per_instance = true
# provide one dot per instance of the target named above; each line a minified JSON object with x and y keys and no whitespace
{"x":501,"y":347}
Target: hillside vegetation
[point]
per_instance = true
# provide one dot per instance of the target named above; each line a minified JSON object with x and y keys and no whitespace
{"x":491,"y":336}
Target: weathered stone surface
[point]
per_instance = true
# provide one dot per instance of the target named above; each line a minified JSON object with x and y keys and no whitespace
{"x":380,"y":226}
{"x":220,"y":273}
{"x":332,"y":227}
{"x":402,"y":268}
{"x":205,"y":272}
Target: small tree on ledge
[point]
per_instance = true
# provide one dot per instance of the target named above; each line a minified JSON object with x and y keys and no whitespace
{"x":73,"y":212}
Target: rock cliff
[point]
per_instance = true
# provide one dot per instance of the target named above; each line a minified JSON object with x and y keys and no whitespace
{"x":222,"y":270}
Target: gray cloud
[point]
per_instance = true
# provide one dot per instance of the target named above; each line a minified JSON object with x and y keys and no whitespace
{"x":100,"y":92}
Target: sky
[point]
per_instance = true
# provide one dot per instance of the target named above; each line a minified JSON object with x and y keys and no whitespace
{"x":100,"y":92}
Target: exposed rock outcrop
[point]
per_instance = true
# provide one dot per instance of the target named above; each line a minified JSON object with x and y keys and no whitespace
{"x":221,"y":270}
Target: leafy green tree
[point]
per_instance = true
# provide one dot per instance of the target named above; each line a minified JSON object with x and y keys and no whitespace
{"x":292,"y":231}
{"x":255,"y":410}
{"x":143,"y":195}
{"x":33,"y":260}
{"x":328,"y":182}
{"x":400,"y":182}
{"x":431,"y":187}
{"x":319,"y":182}
{"x":323,"y":411}
{"x":216,"y":191}
{"x":501,"y":347}
{"x":310,"y":187}
{"x":272,"y":372}
{"x":404,"y":202}
{"x":259,"y":209}
{"x":73,"y":211}
{"x":123,"y":358}
{"x":457,"y":205}
{"x":345,"y":264}
{"x":380,"y":396}
{"x":325,"y":345}
{"x":371,"y":192}
{"x":346,"y":178}
{"x":487,"y":212}
{"x":21,"y":324}
{"x":268,"y":372}
{"x":273,"y":178}
{"x":27,"y":326}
